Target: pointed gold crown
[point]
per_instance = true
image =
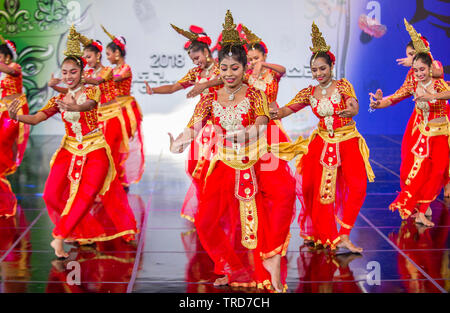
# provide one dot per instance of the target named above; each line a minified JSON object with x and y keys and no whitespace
{"x":109,"y":35}
{"x":318,"y":41}
{"x":252,"y":39}
{"x":2,"y":40}
{"x":230,"y":36}
{"x":85,"y":41}
{"x":73,"y":44}
{"x":416,"y":38}
{"x":189,"y":35}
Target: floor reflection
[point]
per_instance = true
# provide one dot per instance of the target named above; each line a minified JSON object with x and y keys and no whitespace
{"x":320,"y":271}
{"x":15,"y":269}
{"x":428,"y":248}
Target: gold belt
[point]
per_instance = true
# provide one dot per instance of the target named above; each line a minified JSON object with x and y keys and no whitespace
{"x":434,"y":129}
{"x":106,"y":112}
{"x":341,"y":134}
{"x":90,"y":143}
{"x":243,"y":157}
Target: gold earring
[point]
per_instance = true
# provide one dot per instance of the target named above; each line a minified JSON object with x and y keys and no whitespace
{"x":431,"y":72}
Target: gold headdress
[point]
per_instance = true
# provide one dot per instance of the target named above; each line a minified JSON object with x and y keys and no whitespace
{"x":189,"y":35}
{"x":85,"y":41}
{"x":416,"y":38}
{"x":109,"y":35}
{"x":252,"y":39}
{"x":230,"y":36}
{"x":73,"y":44}
{"x":2,"y":40}
{"x":318,"y":42}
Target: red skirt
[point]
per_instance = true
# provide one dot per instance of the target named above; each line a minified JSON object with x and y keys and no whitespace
{"x":13,"y":141}
{"x":113,"y":131}
{"x":86,"y":216}
{"x":318,"y":221}
{"x":134,"y":161}
{"x":218,"y":221}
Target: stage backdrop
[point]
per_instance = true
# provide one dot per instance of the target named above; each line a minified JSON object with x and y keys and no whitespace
{"x":365,"y":53}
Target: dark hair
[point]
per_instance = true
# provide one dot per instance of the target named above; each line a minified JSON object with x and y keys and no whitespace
{"x":93,"y":48}
{"x":198,"y":46}
{"x":5,"y":50}
{"x":411,"y":45}
{"x":78,"y":61}
{"x":321,"y":54}
{"x":256,"y":46}
{"x":238,"y":53}
{"x":424,"y":57}
{"x":114,"y":47}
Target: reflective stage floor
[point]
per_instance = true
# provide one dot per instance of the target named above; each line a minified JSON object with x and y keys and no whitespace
{"x":399,"y":257}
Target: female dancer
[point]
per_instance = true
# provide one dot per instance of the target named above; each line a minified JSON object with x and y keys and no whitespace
{"x":82,"y":168}
{"x":109,"y":112}
{"x":13,"y":136}
{"x":205,"y":76}
{"x":335,"y":170}
{"x":205,"y":79}
{"x":248,"y":200}
{"x":425,"y":165}
{"x":122,"y":76}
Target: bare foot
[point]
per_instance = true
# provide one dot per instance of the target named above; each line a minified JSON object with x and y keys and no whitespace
{"x":272,"y":265}
{"x":447,"y":190}
{"x":346,"y":243}
{"x":422,"y":219}
{"x":58,"y":245}
{"x":221,"y":281}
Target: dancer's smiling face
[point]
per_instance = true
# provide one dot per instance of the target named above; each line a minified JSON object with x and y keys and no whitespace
{"x":91,"y":57}
{"x":421,"y":70}
{"x":199,"y":57}
{"x":231,"y":72}
{"x":71,"y":73}
{"x":321,"y":70}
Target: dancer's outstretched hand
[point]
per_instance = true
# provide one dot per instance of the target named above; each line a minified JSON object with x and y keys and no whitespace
{"x":148,"y":89}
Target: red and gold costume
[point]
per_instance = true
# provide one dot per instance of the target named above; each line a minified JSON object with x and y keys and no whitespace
{"x":267,"y":81}
{"x":425,"y":162}
{"x":199,"y":152}
{"x":82,"y":169}
{"x":334,"y":172}
{"x":132,"y":114}
{"x":408,"y":80}
{"x":425,"y":148}
{"x":200,"y":148}
{"x":248,"y":199}
{"x":13,"y":135}
{"x":111,"y":120}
